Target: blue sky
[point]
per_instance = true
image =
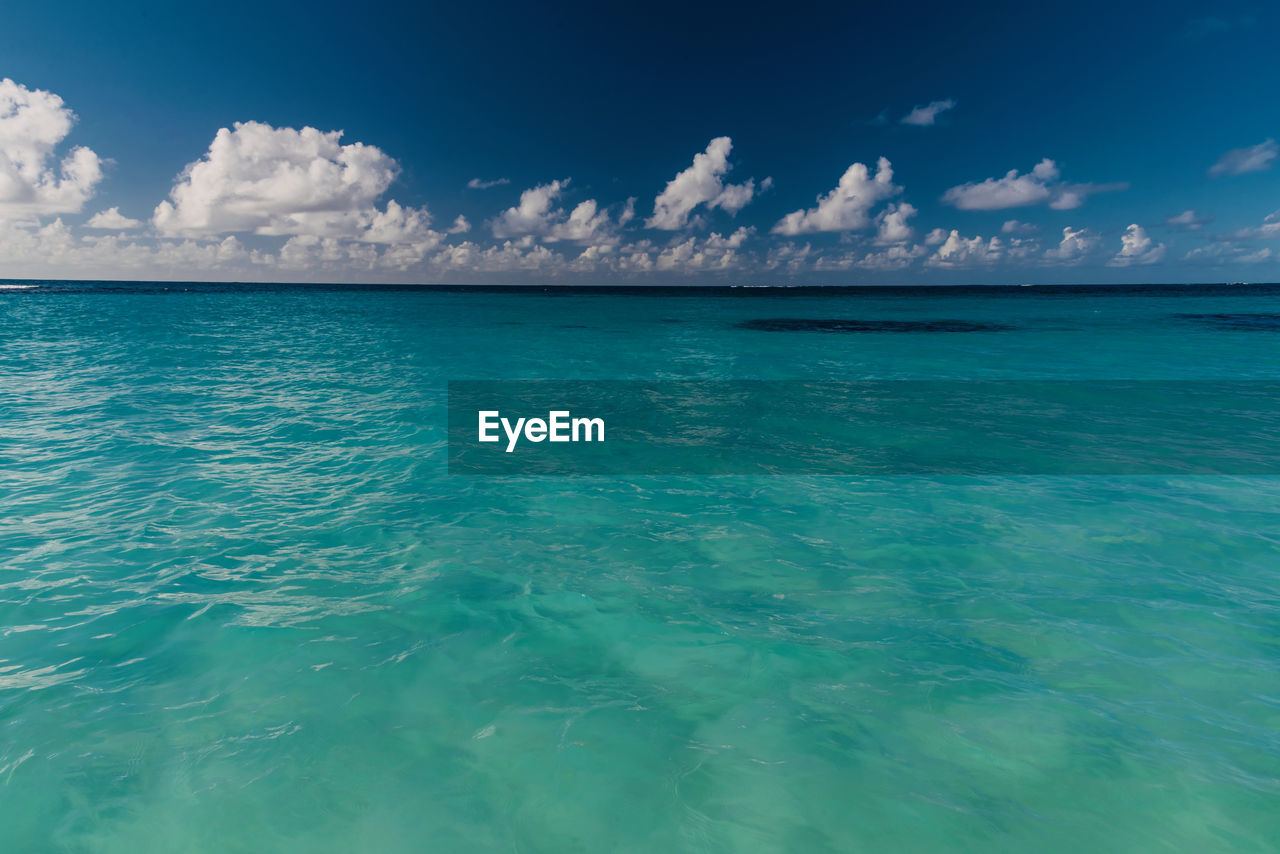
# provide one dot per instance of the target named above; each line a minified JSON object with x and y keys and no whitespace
{"x":652,"y":143}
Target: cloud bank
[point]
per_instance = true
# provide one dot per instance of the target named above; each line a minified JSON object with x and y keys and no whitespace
{"x":272,"y":203}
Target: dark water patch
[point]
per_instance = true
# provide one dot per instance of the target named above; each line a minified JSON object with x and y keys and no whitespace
{"x":803,"y":324}
{"x":1259,"y":321}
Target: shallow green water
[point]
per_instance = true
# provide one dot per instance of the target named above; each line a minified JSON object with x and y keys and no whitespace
{"x":243,"y":606}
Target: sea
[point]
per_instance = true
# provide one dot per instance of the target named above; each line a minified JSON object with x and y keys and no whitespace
{"x":247,"y":606}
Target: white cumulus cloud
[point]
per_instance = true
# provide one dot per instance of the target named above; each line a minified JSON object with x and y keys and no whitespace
{"x":701,"y":184}
{"x":957,"y":251}
{"x":892,"y":224}
{"x":534,"y":213}
{"x":33,"y":123}
{"x":111,"y":219}
{"x":715,"y":252}
{"x":1042,"y":185}
{"x":482,"y":184}
{"x":284,"y":181}
{"x":848,"y":206}
{"x":928,"y":114}
{"x":586,"y":224}
{"x":537,"y":214}
{"x":1137,"y":248}
{"x":1238,"y":161}
{"x":395,"y":224}
{"x":523,"y":255}
{"x":1075,"y":245}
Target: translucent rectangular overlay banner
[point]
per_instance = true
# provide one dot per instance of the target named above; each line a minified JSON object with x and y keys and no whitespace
{"x":880,"y":428}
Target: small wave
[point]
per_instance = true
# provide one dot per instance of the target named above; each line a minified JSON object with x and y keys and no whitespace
{"x":18,"y":287}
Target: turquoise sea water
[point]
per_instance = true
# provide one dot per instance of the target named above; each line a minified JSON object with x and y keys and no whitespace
{"x":245,"y":608}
